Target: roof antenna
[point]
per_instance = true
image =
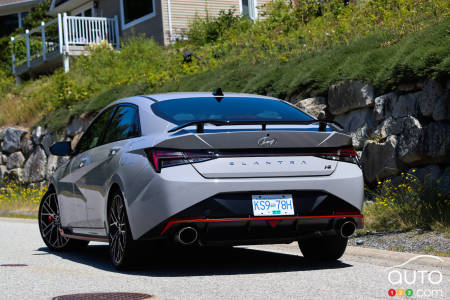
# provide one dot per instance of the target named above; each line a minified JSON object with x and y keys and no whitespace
{"x":218,"y":94}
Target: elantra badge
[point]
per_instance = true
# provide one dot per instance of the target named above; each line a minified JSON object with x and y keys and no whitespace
{"x":267,"y":141}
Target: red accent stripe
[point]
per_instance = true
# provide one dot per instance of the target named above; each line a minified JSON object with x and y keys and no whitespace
{"x":172,"y":222}
{"x":80,"y":237}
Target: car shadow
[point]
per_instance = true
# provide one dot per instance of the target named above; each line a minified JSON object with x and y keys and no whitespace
{"x":175,"y":262}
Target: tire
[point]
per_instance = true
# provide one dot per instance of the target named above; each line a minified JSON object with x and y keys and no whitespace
{"x":50,"y":224}
{"x":122,"y":247}
{"x":327,"y":248}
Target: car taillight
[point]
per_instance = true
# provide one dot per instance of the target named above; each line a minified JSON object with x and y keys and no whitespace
{"x":168,"y":158}
{"x":346,"y":155}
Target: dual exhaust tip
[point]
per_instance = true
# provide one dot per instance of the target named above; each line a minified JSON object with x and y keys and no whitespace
{"x":186,"y":236}
{"x":346,"y":229}
{"x":189,"y":235}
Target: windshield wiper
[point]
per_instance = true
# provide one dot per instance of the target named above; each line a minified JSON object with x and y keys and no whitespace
{"x":201,"y":124}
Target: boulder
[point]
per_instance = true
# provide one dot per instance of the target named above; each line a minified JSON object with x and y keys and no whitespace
{"x":47,"y":141}
{"x":409,"y":140}
{"x":349,"y":95}
{"x":432,"y":91}
{"x":406,"y":105}
{"x":26,"y":145}
{"x":427,"y":174}
{"x":444,"y":182}
{"x":53,"y":163}
{"x":3,"y":159}
{"x":76,"y":126}
{"x":436,"y":142}
{"x":313,"y":106}
{"x":2,"y":134}
{"x":441,"y":110}
{"x":3,"y":172}
{"x":15,"y":160}
{"x":379,"y":160}
{"x":383,"y":105}
{"x":14,"y":175}
{"x":11,"y":142}
{"x":406,"y":87}
{"x":359,"y":124}
{"x":385,"y":128}
{"x":36,"y":166}
{"x":37,"y":134}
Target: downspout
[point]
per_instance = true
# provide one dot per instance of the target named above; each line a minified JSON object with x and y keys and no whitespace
{"x":169,"y":14}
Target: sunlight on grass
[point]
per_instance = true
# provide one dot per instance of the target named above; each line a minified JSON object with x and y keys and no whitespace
{"x":20,"y":200}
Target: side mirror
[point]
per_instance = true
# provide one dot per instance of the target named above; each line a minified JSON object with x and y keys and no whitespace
{"x":61,"y":149}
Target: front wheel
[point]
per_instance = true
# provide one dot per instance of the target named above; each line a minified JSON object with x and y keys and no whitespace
{"x":325,"y":248}
{"x":122,"y":247}
{"x":50,"y":224}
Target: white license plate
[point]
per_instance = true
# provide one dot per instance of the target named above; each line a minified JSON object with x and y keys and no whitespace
{"x":272,"y":205}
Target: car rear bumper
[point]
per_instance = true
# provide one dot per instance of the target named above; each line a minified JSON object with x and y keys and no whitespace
{"x":177,"y":189}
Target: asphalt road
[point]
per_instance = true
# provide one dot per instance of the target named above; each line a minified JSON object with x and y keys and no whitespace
{"x":259,"y":272}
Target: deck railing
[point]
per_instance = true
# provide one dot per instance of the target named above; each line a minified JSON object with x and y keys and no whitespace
{"x":64,"y":35}
{"x":90,"y":30}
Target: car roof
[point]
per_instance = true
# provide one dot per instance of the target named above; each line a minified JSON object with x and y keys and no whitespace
{"x":186,"y":95}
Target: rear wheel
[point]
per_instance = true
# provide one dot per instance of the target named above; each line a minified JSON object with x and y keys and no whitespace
{"x":50,"y":225}
{"x":325,"y":248}
{"x":121,"y":245}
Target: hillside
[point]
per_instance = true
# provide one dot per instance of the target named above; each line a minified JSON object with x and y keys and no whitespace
{"x":293,"y":52}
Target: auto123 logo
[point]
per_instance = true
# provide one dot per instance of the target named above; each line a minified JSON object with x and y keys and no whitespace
{"x":416,"y":284}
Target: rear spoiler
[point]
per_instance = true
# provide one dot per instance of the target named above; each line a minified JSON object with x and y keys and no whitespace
{"x":201,"y":124}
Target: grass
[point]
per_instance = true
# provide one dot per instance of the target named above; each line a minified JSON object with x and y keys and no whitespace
{"x":292,"y":52}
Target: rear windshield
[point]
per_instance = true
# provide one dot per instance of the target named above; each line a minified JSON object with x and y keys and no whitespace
{"x":180,"y":111}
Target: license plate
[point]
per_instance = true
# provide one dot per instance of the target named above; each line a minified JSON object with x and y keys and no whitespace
{"x":272,"y":205}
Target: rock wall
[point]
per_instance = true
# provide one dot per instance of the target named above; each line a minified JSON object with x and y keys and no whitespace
{"x":407,"y":128}
{"x":26,"y":157}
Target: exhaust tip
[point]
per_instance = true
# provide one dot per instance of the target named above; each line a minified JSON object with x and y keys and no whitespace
{"x":187,"y":235}
{"x":347,"y":229}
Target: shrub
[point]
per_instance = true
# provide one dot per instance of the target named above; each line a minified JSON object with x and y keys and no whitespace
{"x":409,"y":203}
{"x":209,"y":29}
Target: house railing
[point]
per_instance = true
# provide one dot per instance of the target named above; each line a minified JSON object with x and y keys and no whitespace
{"x":64,"y":35}
{"x":90,"y":30}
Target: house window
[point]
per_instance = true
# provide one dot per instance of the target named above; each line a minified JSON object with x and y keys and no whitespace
{"x":84,"y":11}
{"x":136,"y":11}
{"x":248,"y":8}
{"x":9,"y":23}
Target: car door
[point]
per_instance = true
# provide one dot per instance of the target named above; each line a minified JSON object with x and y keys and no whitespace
{"x":123,"y":126}
{"x":81,"y":164}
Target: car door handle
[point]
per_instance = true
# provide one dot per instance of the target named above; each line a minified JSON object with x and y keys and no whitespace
{"x":114,"y":151}
{"x":83,"y":161}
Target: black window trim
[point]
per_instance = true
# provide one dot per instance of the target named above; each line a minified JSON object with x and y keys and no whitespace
{"x":113,"y":112}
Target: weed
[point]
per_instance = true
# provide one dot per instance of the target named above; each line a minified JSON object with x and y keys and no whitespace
{"x":16,"y":198}
{"x":409,"y":204}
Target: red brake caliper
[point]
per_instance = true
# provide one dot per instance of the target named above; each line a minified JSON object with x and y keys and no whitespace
{"x":50,"y":219}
